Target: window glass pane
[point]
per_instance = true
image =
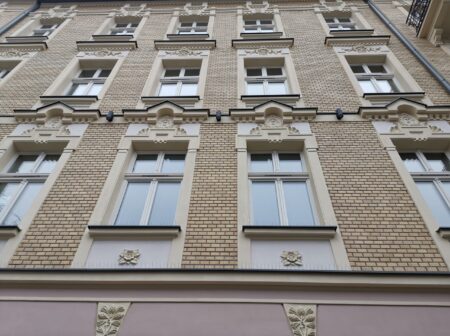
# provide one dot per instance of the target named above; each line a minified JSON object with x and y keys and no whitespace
{"x":250,"y":22}
{"x":298,"y":206}
{"x":172,"y":73}
{"x":274,"y":72}
{"x":186,"y":24}
{"x":121,"y":25}
{"x":7,"y":191}
{"x":254,"y":72}
{"x":255,"y":88}
{"x":438,"y":162}
{"x":290,"y":163}
{"x":23,"y":164}
{"x":261,"y":163}
{"x":173,"y":163}
{"x":134,"y":25}
{"x":250,"y":29}
{"x":264,"y":203}
{"x":188,"y":89}
{"x":357,"y":69}
{"x":385,"y":85}
{"x":95,"y":89}
{"x":276,"y":88}
{"x":87,"y":73}
{"x":344,"y":20}
{"x":165,"y":204}
{"x":435,"y":202}
{"x":367,"y":86}
{"x":104,"y":73}
{"x":411,"y":162}
{"x":446,"y":187}
{"x":145,"y":163}
{"x":168,"y":90}
{"x":192,"y":72}
{"x":378,"y":68}
{"x":267,"y":29}
{"x":78,"y":89}
{"x":329,"y":20}
{"x":132,"y":205}
{"x":48,"y":164}
{"x":202,"y":24}
{"x":23,"y":203}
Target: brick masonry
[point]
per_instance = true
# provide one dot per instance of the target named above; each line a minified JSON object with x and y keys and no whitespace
{"x":211,"y":237}
{"x":54,"y":236}
{"x":380,"y":225}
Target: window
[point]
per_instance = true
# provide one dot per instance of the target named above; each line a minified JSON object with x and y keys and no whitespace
{"x":21,"y":183}
{"x":151,"y":192}
{"x":45,"y":29}
{"x":374,"y":78}
{"x":179,"y":82}
{"x":266,"y":81}
{"x":259,"y":26}
{"x":3,"y":73}
{"x":431,"y":173}
{"x":279,"y":190}
{"x":124,"y":28}
{"x":88,"y":82}
{"x":194,"y":27}
{"x":340,"y":23}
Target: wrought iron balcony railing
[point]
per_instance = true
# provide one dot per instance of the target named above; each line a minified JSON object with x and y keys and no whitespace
{"x":417,"y":14}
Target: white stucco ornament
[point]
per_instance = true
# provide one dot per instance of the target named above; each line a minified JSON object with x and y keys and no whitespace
{"x":291,"y":258}
{"x":129,"y":257}
{"x":302,"y":319}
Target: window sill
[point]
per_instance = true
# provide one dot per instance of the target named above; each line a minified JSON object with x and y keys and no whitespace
{"x":26,"y":46}
{"x":179,"y":100}
{"x":26,"y":39}
{"x":386,"y":98}
{"x":101,"y":38}
{"x":8,"y":231}
{"x":84,"y":101}
{"x":350,"y":33}
{"x":288,"y":232}
{"x":198,"y":44}
{"x":188,"y":37}
{"x":444,"y":232}
{"x":133,"y":231}
{"x":357,"y":39}
{"x":262,"y":43}
{"x":290,"y":99}
{"x":261,"y":36}
{"x":121,"y":45}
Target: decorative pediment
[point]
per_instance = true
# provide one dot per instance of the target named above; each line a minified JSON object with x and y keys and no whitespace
{"x":273,"y":113}
{"x":57,"y":12}
{"x":129,"y":10}
{"x":333,"y":6}
{"x":166,"y":115}
{"x":55,"y":113}
{"x":401,"y":106}
{"x":198,"y":10}
{"x":258,"y":8}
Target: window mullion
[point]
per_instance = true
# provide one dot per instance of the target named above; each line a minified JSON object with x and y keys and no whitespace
{"x":438,"y":184}
{"x":149,"y":202}
{"x":282,"y":211}
{"x":13,"y":201}
{"x":38,"y":162}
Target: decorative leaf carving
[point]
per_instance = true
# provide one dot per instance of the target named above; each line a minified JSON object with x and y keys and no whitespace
{"x":110,"y":317}
{"x":302,"y":319}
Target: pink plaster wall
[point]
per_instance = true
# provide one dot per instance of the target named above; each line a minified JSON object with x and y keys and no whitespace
{"x":383,"y":321}
{"x":47,"y":318}
{"x":197,"y":319}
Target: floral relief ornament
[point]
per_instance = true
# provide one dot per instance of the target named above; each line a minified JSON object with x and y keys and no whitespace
{"x":291,"y":258}
{"x":129,"y":257}
{"x":110,"y":317}
{"x":302,"y":319}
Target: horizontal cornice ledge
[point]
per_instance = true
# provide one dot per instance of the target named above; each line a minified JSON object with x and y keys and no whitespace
{"x":185,"y":45}
{"x":23,"y":46}
{"x":348,"y":41}
{"x":123,"y":45}
{"x":133,"y":231}
{"x":238,"y":277}
{"x":267,"y":43}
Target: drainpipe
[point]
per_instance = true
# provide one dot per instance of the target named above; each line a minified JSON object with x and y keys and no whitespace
{"x":422,"y":59}
{"x":20,"y":17}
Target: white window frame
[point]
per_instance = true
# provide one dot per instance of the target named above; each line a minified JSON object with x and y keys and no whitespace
{"x":279,"y":177}
{"x":431,"y":176}
{"x":23,"y":179}
{"x":154,"y":178}
{"x":45,"y":31}
{"x":266,"y":79}
{"x":193,"y":29}
{"x":179,"y":80}
{"x":374,"y":76}
{"x":340,"y":25}
{"x":128,"y":30}
{"x":90,"y":81}
{"x":257,"y":28}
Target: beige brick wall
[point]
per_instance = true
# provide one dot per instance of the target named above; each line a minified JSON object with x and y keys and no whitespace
{"x":431,"y":87}
{"x":379,"y":222}
{"x":11,"y":11}
{"x":56,"y":231}
{"x":211,"y":237}
{"x":323,"y":81}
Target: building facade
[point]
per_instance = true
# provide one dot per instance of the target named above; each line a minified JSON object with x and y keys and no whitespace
{"x":225,"y":168}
